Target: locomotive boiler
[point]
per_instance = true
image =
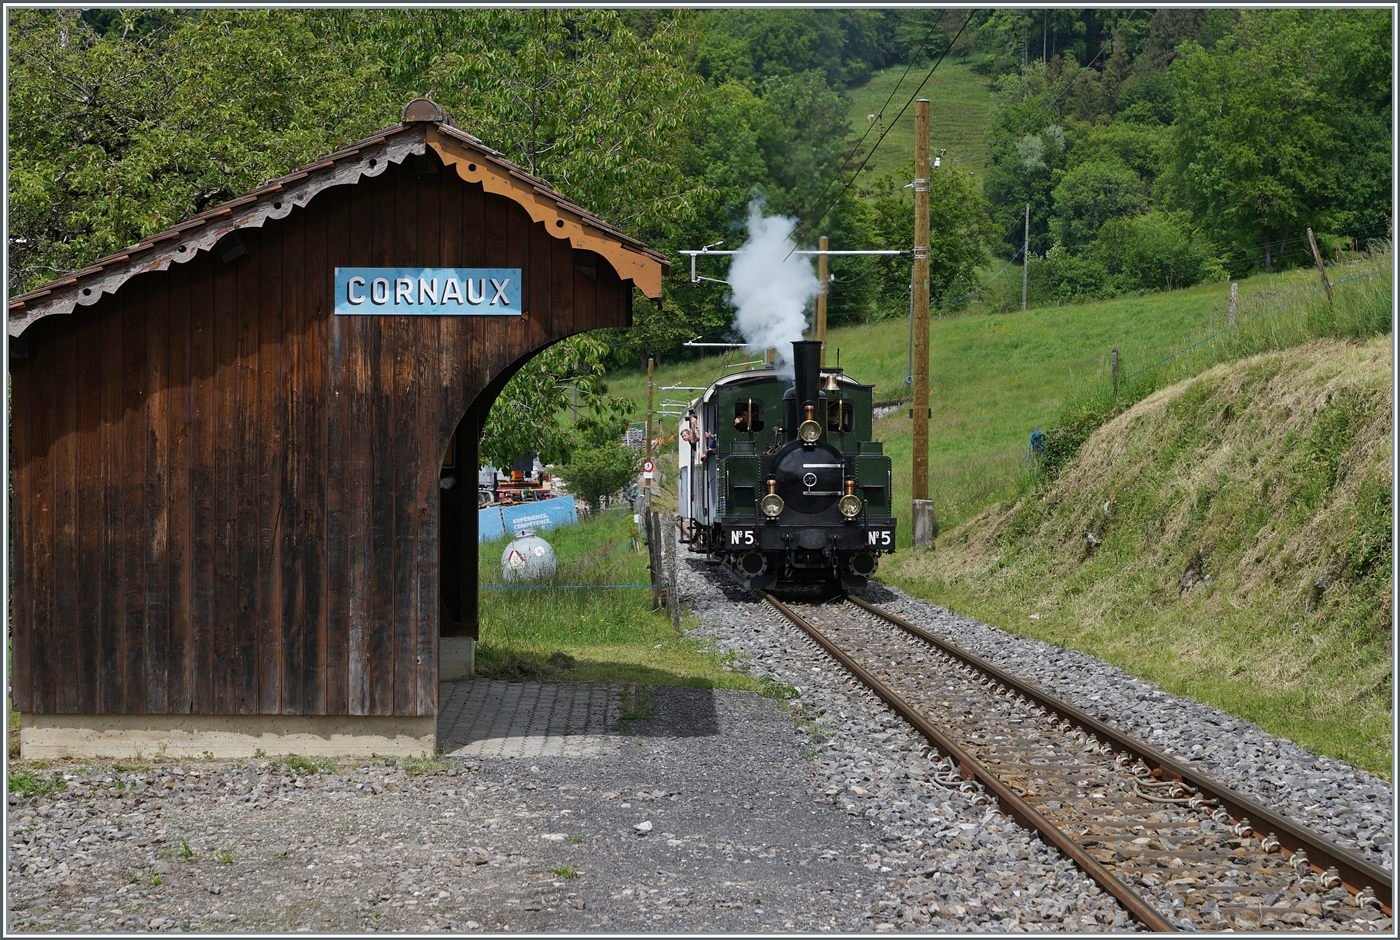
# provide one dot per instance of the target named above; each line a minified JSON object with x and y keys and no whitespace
{"x":781,"y":480}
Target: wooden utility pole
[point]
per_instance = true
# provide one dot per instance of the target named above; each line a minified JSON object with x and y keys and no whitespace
{"x":1326,"y":284}
{"x":651,"y":387}
{"x":821,"y":299}
{"x":1025,"y":256}
{"x":923,"y":506}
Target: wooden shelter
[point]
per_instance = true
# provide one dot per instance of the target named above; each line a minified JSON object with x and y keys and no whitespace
{"x":226,"y":494}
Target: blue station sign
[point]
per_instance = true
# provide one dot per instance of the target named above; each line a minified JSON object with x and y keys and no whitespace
{"x":428,"y":292}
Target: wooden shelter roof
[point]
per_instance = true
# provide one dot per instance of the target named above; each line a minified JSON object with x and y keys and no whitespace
{"x":425,"y":125}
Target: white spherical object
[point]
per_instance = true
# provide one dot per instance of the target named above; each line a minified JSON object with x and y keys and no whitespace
{"x":528,"y":558}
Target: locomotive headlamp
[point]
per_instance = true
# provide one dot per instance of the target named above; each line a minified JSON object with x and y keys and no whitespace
{"x":772,"y":504}
{"x":809,"y":431}
{"x":850,"y":503}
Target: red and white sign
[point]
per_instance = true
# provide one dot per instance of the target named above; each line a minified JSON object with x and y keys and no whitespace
{"x":647,"y":468}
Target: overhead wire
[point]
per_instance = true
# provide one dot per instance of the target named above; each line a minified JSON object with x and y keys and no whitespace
{"x":881,"y":113}
{"x":857,"y":173}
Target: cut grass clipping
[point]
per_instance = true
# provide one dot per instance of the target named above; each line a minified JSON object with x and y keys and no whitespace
{"x":594,"y":633}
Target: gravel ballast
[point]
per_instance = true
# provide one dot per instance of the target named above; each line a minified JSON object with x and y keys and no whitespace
{"x":719,"y":811}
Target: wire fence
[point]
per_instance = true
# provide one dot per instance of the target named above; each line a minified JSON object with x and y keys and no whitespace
{"x":1249,"y":319}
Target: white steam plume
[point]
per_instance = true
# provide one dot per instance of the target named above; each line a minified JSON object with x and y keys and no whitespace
{"x":770,"y":286}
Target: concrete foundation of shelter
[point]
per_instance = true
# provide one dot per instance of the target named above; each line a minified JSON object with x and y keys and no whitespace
{"x":224,"y":736}
{"x":456,"y":658}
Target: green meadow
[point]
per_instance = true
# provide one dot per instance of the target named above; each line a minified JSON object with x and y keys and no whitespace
{"x":960,"y":109}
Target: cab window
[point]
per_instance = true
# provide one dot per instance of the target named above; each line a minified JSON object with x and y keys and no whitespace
{"x":840,"y":417}
{"x":748,"y":415}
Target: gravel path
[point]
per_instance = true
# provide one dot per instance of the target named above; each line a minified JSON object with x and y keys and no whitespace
{"x":720,"y":811}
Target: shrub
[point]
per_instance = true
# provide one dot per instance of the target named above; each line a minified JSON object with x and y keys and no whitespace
{"x":1153,"y":252}
{"x":1060,"y":277}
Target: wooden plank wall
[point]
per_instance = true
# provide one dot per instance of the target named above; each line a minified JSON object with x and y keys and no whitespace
{"x":226,"y":497}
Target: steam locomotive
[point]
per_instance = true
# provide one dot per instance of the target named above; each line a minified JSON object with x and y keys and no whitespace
{"x":780,"y":479}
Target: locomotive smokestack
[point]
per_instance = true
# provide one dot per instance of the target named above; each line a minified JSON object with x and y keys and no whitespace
{"x":806,"y":364}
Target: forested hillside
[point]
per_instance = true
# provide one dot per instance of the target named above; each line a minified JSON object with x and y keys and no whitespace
{"x":1155,"y":148}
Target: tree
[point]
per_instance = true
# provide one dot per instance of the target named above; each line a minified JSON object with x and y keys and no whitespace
{"x":121,"y":131}
{"x":594,"y":471}
{"x":599,"y":463}
{"x":1088,"y":196}
{"x":1153,"y":252}
{"x":523,"y":420}
{"x":1254,"y":156}
{"x":802,"y":129}
{"x":576,"y":97}
{"x":752,"y":46}
{"x":961,"y":235}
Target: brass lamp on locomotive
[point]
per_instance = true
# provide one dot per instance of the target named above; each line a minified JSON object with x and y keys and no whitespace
{"x":780,"y":479}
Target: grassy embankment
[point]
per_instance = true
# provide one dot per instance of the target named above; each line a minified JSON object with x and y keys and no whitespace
{"x":960,"y":107}
{"x":593,"y":633}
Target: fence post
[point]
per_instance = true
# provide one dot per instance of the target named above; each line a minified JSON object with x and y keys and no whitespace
{"x":1234,"y":296}
{"x":1326,"y":285}
{"x":1115,"y":373}
{"x":654,"y":557}
{"x":673,"y":600}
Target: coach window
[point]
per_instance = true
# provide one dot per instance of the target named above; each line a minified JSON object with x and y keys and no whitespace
{"x":748,"y":415}
{"x":840,"y":417}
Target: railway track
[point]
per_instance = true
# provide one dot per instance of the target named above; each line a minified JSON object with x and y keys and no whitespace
{"x":1176,"y":848}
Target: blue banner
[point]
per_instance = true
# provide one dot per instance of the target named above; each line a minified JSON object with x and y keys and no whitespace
{"x":497,"y":521}
{"x":488,"y":524}
{"x":422,"y":292}
{"x":545,"y":514}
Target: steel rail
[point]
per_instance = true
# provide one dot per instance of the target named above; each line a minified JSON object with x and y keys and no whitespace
{"x":971,"y":768}
{"x":1355,"y":871}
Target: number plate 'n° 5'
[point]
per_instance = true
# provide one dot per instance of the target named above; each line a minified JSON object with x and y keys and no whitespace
{"x":879,"y":538}
{"x":741,"y":537}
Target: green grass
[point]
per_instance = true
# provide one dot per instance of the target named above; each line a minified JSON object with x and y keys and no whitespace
{"x":26,"y":784}
{"x":425,"y":763}
{"x":960,"y":111}
{"x":601,"y":634}
{"x":300,"y":764}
